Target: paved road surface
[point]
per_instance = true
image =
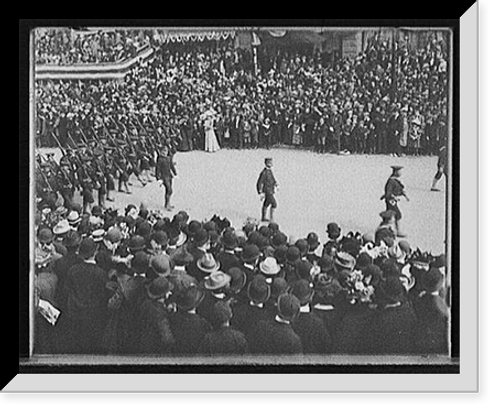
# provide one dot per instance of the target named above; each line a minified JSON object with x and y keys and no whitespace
{"x":315,"y":189}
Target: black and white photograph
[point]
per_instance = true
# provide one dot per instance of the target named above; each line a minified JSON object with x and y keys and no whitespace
{"x":225,"y":198}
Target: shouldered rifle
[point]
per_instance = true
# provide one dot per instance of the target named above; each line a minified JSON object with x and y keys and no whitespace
{"x":42,"y":174}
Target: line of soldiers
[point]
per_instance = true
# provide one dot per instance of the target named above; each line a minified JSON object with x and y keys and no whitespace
{"x":96,"y":161}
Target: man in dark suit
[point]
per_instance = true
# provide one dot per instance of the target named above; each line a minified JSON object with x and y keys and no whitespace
{"x":223,"y":340}
{"x":87,"y":300}
{"x":249,"y":313}
{"x":308,"y":325}
{"x":188,"y":327}
{"x":227,"y":257}
{"x":165,"y":172}
{"x":266,"y":185}
{"x":433,"y":315}
{"x":392,"y":329}
{"x":277,"y":336}
{"x":156,"y":337}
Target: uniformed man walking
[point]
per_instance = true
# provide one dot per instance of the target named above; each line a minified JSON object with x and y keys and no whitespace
{"x":394,"y":190}
{"x":165,"y":171}
{"x":266,"y":185}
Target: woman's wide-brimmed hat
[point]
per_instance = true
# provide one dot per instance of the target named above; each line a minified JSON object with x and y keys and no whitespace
{"x":344,"y":260}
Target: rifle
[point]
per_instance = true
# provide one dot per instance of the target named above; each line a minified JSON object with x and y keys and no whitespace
{"x":127,"y":136}
{"x":58,"y":143}
{"x":148,"y":139}
{"x":84,"y":137}
{"x":120,"y":152}
{"x":40,"y":171}
{"x":156,"y":133}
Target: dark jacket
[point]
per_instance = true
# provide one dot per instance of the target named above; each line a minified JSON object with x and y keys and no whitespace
{"x":433,"y":317}
{"x":313,"y":333}
{"x":224,"y":341}
{"x":86,"y":307}
{"x":273,"y":337}
{"x":332,"y":317}
{"x":61,"y":269}
{"x":206,"y":307}
{"x":165,"y":168}
{"x":189,"y":331}
{"x":393,"y":330}
{"x":156,"y":335}
{"x":353,"y":333}
{"x":266,"y":182}
{"x":393,"y":189}
{"x":246,"y":317}
{"x":227,"y":260}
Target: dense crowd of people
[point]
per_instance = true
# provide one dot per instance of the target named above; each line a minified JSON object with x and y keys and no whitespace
{"x":59,"y":46}
{"x":136,"y":282}
{"x":386,"y":100}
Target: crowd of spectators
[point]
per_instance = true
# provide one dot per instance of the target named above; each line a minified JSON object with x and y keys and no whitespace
{"x":383,"y":101}
{"x":136,"y":282}
{"x":58,"y":46}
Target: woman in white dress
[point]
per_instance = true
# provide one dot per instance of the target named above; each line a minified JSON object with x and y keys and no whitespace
{"x":211,"y":142}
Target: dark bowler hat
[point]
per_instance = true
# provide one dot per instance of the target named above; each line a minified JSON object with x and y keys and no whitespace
{"x":45,"y":235}
{"x":190,"y":298}
{"x":279,"y":239}
{"x":313,"y":240}
{"x":200,"y":237}
{"x":181,"y":256}
{"x":159,"y":287}
{"x":273,"y":227}
{"x":194,"y":227}
{"x":250,"y":253}
{"x":140,"y":262}
{"x":113,"y":235}
{"x":333,"y":228}
{"x":302,"y":245}
{"x":396,"y":167}
{"x":302,"y":289}
{"x":136,"y":243}
{"x":264,"y":231}
{"x":222,"y":312}
{"x":278,"y":286}
{"x":288,"y":306}
{"x":433,"y":280}
{"x":259,"y":291}
{"x":229,"y":240}
{"x":160,"y":237}
{"x":87,"y":247}
{"x":161,"y":265}
{"x":238,"y":279}
{"x":293,"y":254}
{"x":325,"y":263}
{"x":303,"y":269}
{"x":280,"y":253}
{"x":144,"y":229}
{"x":72,"y":239}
